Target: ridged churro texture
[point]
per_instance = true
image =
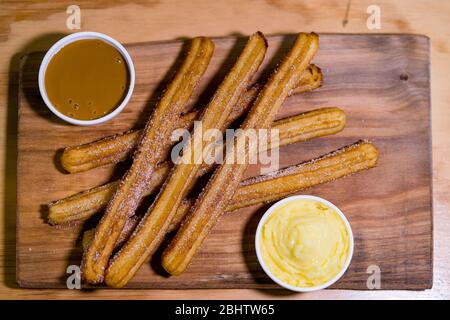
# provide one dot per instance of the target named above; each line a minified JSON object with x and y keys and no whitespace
{"x":151,"y":150}
{"x":128,"y":228}
{"x":306,"y":126}
{"x":214,"y":199}
{"x":119,"y":147}
{"x":109,"y":150}
{"x":343,"y":162}
{"x":153,"y":227}
{"x":334,"y":165}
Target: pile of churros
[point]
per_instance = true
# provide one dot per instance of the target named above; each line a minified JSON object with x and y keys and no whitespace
{"x":122,"y":240}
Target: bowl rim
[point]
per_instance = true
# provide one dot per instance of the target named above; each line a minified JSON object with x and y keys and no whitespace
{"x":269,"y":212}
{"x":73,"y":38}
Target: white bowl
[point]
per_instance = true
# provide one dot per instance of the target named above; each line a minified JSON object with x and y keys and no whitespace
{"x":258,"y":238}
{"x":81,"y":36}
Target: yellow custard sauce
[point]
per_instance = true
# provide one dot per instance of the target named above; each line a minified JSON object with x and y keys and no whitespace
{"x":304,"y":243}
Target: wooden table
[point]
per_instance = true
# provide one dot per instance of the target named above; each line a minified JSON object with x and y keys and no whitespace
{"x":27,"y":27}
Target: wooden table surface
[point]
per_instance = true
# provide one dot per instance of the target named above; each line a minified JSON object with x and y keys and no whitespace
{"x":31,"y":26}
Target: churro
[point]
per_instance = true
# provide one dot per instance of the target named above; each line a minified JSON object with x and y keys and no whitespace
{"x":128,"y":228}
{"x":117,"y":148}
{"x":343,"y":162}
{"x":153,"y":226}
{"x":214,"y":199}
{"x":111,"y":149}
{"x":150,"y":151}
{"x":81,"y":206}
{"x":309,"y":125}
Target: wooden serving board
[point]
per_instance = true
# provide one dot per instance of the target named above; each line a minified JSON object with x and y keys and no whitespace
{"x":382,"y":82}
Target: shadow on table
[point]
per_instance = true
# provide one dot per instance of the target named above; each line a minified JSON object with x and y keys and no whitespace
{"x":251,"y":260}
{"x":42,"y":42}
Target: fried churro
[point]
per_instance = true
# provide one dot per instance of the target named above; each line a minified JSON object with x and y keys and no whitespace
{"x":128,"y":228}
{"x":109,"y":150}
{"x":117,"y":148}
{"x":150,"y":231}
{"x":214,"y":199}
{"x":306,"y":126}
{"x":150,"y":151}
{"x":343,"y":162}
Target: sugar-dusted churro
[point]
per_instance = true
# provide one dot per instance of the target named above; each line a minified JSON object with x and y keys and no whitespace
{"x":305,"y":126}
{"x":345,"y":161}
{"x":215,"y":198}
{"x":348,"y":160}
{"x":119,"y":147}
{"x":111,"y":149}
{"x":81,"y":206}
{"x":152,"y":228}
{"x":151,"y":150}
{"x":128,"y":228}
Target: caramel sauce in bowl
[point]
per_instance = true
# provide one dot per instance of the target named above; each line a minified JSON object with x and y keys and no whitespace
{"x":86,"y":78}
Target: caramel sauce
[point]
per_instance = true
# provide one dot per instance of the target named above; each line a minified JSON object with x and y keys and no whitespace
{"x":87,"y":79}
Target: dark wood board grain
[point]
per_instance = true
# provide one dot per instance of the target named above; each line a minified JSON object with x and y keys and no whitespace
{"x":382,"y":82}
